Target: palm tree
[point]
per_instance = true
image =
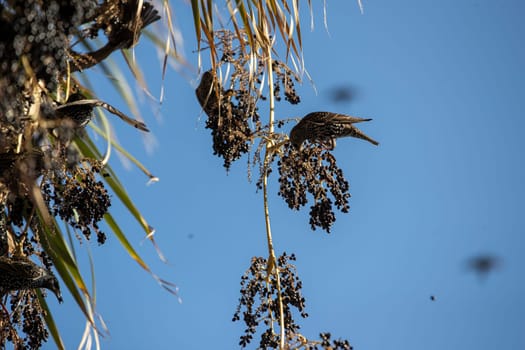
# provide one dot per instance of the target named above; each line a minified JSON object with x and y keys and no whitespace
{"x":55,"y":180}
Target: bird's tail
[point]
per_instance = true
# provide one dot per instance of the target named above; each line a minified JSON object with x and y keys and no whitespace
{"x":361,"y":135}
{"x":372,"y":141}
{"x":359,"y":120}
{"x":149,"y":14}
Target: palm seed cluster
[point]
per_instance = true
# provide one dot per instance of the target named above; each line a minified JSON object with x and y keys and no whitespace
{"x":19,"y":276}
{"x":43,"y":111}
{"x":229,"y":125}
{"x":259,"y":306}
{"x":35,"y":33}
{"x":328,"y":344}
{"x":29,"y":319}
{"x":285,"y":78}
{"x":313,"y":170}
{"x":80,"y":200}
{"x":231,"y":104}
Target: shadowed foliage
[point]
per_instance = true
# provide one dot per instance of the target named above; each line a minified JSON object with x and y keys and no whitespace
{"x":50,"y":171}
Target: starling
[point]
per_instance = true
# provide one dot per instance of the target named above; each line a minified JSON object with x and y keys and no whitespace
{"x":207,"y":94}
{"x":78,"y":111}
{"x":125,"y":26}
{"x":122,"y":23}
{"x":21,"y":273}
{"x":325,"y":127}
{"x":79,"y":115}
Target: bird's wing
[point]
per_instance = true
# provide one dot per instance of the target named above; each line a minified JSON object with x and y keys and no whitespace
{"x":348,"y":119}
{"x":315,"y":117}
{"x":317,"y":122}
{"x":23,"y":265}
{"x":329,"y":117}
{"x":8,"y":268}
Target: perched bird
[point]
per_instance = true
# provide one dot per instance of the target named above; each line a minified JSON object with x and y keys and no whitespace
{"x":77,"y":112}
{"x":207,"y":95}
{"x":325,"y":127}
{"x":79,"y":115}
{"x":20,"y":273}
{"x":122,"y":22}
{"x":128,"y":21}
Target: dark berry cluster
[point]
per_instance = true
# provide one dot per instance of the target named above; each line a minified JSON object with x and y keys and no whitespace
{"x":36,"y":32}
{"x":336,"y":344}
{"x":232,"y":106}
{"x":286,"y":78}
{"x":232,"y":112}
{"x":27,"y":315}
{"x":37,"y":150}
{"x":20,"y":277}
{"x":33,"y":324}
{"x":80,"y":200}
{"x":259,"y":301}
{"x":313,"y":170}
{"x":228,"y":122}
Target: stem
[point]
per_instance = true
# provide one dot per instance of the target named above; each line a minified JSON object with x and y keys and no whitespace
{"x":267,"y":155}
{"x":272,"y":263}
{"x":271,"y":252}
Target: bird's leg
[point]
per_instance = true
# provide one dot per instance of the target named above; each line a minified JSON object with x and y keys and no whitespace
{"x":328,"y":145}
{"x":332,"y":144}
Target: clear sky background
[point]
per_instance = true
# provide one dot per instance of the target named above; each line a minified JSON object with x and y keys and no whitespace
{"x":444,"y":82}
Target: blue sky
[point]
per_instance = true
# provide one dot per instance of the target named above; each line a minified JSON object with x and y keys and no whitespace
{"x":444,"y":84}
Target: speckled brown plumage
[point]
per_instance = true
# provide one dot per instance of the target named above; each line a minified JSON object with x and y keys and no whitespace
{"x":325,"y":127}
{"x":20,"y":273}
